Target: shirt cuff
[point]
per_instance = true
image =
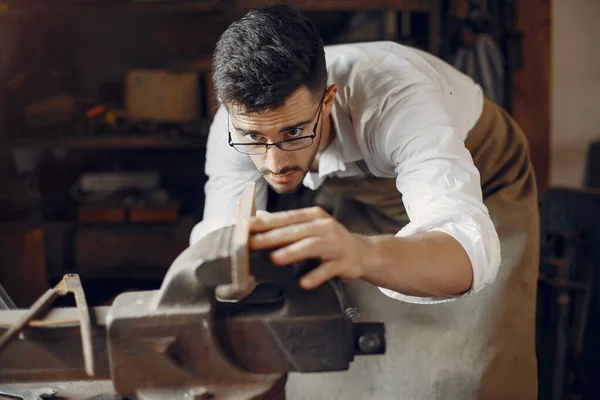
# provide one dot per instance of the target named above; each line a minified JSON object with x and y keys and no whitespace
{"x":477,"y":235}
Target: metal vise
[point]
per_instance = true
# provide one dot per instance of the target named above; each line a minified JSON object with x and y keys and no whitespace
{"x":226,"y":323}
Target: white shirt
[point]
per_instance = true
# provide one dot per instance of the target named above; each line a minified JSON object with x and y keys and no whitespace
{"x":405,"y":113}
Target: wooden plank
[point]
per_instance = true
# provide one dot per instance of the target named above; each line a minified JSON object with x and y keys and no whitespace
{"x":162,"y":7}
{"x":69,"y":7}
{"x":242,"y":282}
{"x":324,"y":5}
{"x":349,"y":5}
{"x":98,"y":214}
{"x":156,"y":215}
{"x":531,"y":94}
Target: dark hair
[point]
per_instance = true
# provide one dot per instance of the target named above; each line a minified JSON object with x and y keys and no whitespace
{"x":264,"y":57}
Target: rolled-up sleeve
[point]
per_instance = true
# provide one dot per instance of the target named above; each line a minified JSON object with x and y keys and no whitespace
{"x":438,"y":180}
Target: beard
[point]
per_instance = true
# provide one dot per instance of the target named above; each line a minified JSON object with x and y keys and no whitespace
{"x":286,"y":188}
{"x":293,"y":186}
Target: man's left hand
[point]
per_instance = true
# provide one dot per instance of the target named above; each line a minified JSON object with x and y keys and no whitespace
{"x":311,"y":233}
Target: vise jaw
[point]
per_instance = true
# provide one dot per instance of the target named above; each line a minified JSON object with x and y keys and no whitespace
{"x":226,"y":323}
{"x":186,"y":336}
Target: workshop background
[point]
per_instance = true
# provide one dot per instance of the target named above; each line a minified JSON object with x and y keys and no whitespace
{"x":105,"y":108}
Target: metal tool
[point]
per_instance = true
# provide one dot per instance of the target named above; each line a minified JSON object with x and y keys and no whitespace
{"x":31,"y":394}
{"x":69,"y":284}
{"x":181,"y":341}
{"x":6,"y":302}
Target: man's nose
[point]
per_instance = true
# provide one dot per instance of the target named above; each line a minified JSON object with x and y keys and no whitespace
{"x":276,"y":159}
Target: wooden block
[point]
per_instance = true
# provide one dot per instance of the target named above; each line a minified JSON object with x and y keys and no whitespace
{"x":146,"y":214}
{"x":242,"y":282}
{"x":51,"y":111}
{"x":162,"y":96}
{"x":101,"y":215}
{"x":203,"y":67}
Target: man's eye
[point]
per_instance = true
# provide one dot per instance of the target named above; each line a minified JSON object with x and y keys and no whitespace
{"x":254,"y":138}
{"x":295,"y":132}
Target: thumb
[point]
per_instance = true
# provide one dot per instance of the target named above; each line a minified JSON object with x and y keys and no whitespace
{"x":260,"y":213}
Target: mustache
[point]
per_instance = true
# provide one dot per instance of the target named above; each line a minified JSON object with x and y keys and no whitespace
{"x":283,"y":171}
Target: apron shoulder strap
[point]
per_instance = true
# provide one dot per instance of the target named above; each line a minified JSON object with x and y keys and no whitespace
{"x":363,"y":167}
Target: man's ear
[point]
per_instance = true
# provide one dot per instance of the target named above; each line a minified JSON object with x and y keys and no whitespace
{"x":330,"y":97}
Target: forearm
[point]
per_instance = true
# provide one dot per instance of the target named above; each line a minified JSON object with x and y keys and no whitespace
{"x":431,"y":264}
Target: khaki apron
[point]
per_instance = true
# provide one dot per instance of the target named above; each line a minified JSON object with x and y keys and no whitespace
{"x":481,"y":346}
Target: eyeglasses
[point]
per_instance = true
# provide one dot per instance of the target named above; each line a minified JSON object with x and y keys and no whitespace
{"x":293,"y":144}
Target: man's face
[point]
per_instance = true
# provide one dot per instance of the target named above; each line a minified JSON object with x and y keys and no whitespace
{"x":283,"y":170}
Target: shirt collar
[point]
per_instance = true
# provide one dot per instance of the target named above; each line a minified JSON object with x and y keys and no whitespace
{"x":331,"y":160}
{"x":343,"y":149}
{"x":345,"y":137}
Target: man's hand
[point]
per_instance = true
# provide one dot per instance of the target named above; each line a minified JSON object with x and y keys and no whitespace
{"x":311,"y":233}
{"x":430,"y":264}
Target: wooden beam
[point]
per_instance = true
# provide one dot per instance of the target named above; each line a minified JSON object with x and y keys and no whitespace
{"x":391,"y":25}
{"x":435,"y":28}
{"x":349,"y":5}
{"x":406,"y":28}
{"x":531,"y":93}
{"x":202,"y":6}
{"x":17,"y":8}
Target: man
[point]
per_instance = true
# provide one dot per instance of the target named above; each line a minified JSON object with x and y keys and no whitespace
{"x":434,"y":226}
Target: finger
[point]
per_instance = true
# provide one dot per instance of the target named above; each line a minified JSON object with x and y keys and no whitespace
{"x":312,"y":247}
{"x":262,"y":223}
{"x":288,"y":234}
{"x":260,"y":213}
{"x":320,"y":275}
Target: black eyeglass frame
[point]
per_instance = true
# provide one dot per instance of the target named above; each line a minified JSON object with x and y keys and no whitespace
{"x":278,"y":144}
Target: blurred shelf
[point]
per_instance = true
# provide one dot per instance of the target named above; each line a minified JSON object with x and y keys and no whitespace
{"x":108,"y":142}
{"x":71,"y":6}
{"x":75,"y":6}
{"x":346,"y":5}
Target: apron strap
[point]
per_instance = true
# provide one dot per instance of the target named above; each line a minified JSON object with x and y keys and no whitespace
{"x":364,"y":168}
